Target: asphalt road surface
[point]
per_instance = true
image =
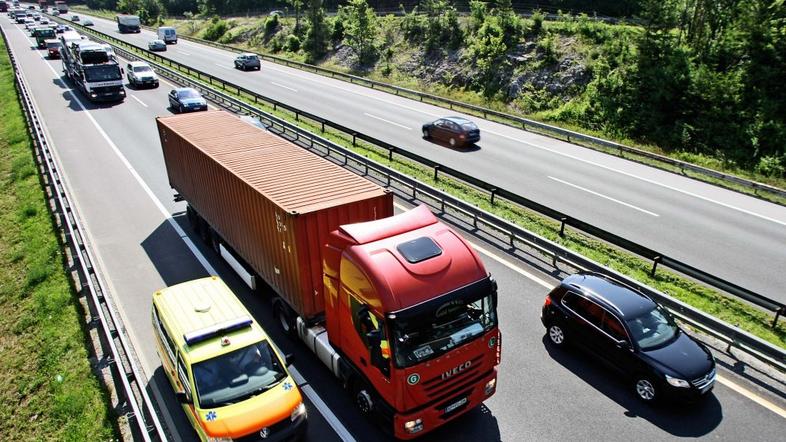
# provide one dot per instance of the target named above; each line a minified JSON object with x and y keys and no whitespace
{"x":735,"y":237}
{"x":111,"y":159}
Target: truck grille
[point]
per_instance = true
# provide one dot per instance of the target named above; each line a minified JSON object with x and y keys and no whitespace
{"x":438,"y":386}
{"x":105,"y":89}
{"x":704,"y":381}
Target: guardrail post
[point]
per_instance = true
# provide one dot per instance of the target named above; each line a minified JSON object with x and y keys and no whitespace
{"x":562,"y":226}
{"x":354,"y":138}
{"x":390,"y":154}
{"x":436,"y":173}
{"x":778,"y":314}
{"x":655,"y":262}
{"x":323,"y":127}
{"x":493,"y":194}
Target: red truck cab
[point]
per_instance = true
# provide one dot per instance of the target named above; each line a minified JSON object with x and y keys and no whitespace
{"x":410,"y":305}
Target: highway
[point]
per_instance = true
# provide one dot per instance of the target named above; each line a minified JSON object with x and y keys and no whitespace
{"x":111,"y":158}
{"x":736,"y":237}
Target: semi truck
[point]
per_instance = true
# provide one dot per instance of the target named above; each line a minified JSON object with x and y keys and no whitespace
{"x":400,"y":308}
{"x":61,"y":7}
{"x":128,"y":23}
{"x":42,"y":4}
{"x":92,"y":67}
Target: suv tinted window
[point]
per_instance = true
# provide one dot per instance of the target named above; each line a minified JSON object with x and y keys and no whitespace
{"x":613,"y":327}
{"x":585,"y":308}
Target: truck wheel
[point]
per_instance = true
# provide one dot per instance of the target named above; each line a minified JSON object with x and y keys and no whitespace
{"x":215,"y":241}
{"x":362,"y":396}
{"x":193,"y":219}
{"x":283,"y":317}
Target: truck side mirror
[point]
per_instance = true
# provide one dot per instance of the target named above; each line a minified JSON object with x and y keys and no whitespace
{"x":182,"y":397}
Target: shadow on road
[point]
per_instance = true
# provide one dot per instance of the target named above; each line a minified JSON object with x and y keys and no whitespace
{"x":169,"y":255}
{"x":690,"y":420}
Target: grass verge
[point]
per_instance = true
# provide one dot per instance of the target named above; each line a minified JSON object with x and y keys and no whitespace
{"x":746,"y":317}
{"x":47,"y":389}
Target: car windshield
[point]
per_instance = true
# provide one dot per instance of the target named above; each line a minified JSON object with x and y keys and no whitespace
{"x":236,"y":376}
{"x":188,"y":93}
{"x":652,"y":329}
{"x":436,"y":330}
{"x":142,"y":69}
{"x":102,"y":73}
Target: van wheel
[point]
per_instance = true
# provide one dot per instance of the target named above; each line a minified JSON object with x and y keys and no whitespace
{"x":283,"y":317}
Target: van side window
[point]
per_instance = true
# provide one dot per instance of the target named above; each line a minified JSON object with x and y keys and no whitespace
{"x":162,"y":333}
{"x":182,"y":373}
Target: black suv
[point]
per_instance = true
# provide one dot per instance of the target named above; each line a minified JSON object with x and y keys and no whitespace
{"x":631,"y":333}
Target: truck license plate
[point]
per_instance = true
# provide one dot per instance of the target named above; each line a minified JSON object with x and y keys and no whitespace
{"x":455,"y":405}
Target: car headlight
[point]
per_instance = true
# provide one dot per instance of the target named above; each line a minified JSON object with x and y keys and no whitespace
{"x":219,"y":439}
{"x":490,"y":386}
{"x":298,"y":411}
{"x":677,"y":382}
{"x":413,"y":426}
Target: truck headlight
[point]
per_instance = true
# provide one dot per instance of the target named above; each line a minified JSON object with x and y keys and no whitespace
{"x":677,"y":382}
{"x":490,"y":386}
{"x":298,"y":411}
{"x":414,"y":426}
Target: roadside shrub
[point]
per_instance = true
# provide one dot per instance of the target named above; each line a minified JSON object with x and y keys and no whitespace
{"x":414,"y":25}
{"x":271,"y":24}
{"x":292,"y":43}
{"x":337,"y":30}
{"x":548,"y":48}
{"x":276,"y":43}
{"x":216,"y":30}
{"x":772,"y":166}
{"x":537,"y":22}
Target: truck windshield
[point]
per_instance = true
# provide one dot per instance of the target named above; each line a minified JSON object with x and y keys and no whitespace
{"x":444,"y":325}
{"x":102,"y":73}
{"x":236,"y":376}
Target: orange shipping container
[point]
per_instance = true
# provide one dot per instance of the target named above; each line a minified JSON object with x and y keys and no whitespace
{"x":273,"y":202}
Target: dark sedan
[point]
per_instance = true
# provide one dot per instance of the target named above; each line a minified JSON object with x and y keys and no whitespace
{"x":456,"y":131}
{"x":630,"y":333}
{"x":186,"y":99}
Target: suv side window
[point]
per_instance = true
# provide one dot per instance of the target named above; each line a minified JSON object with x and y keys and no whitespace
{"x":585,"y":308}
{"x":613,"y":327}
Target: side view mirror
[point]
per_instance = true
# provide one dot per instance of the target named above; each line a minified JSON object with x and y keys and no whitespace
{"x":182,"y":397}
{"x":289,"y":358}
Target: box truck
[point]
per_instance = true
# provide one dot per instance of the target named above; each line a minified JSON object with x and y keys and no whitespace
{"x":399,"y":307}
{"x":128,"y":23}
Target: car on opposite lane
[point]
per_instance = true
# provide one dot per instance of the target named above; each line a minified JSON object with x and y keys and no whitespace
{"x":186,"y":99}
{"x":456,"y":131}
{"x":74,"y":18}
{"x":88,"y":22}
{"x":140,"y":73}
{"x":247,"y":61}
{"x":156,"y":45}
{"x":632,"y":334}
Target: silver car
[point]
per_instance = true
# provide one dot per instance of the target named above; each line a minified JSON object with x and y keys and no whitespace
{"x":156,"y":45}
{"x":247,"y":61}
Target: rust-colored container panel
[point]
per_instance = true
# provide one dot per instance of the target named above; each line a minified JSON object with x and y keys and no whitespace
{"x":272,"y":201}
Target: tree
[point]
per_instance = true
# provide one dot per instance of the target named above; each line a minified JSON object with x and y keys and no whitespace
{"x":361,"y":29}
{"x":315,"y":42}
{"x":297,"y":5}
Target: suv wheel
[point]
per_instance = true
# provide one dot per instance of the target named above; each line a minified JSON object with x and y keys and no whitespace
{"x":645,"y":389}
{"x":556,"y":335}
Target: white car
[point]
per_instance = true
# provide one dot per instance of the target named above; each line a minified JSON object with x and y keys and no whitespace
{"x":140,"y":74}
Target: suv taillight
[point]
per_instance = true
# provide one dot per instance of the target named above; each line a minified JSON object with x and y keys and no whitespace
{"x":547,"y":301}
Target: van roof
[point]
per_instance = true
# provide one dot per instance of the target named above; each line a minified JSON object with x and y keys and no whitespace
{"x":199,"y":308}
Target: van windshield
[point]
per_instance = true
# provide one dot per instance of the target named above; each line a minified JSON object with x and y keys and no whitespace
{"x":236,"y":376}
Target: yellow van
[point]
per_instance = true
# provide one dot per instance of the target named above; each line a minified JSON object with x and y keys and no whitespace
{"x":229,"y":377}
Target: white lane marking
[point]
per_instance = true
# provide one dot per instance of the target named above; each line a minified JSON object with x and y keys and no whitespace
{"x":137,"y":99}
{"x":386,"y":121}
{"x":338,"y":427}
{"x":221,"y":66}
{"x":603,"y":196}
{"x":331,"y":418}
{"x":183,"y":52}
{"x":282,"y":86}
{"x":646,"y":180}
{"x":752,"y":396}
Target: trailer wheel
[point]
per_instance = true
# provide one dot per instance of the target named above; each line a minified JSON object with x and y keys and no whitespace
{"x":193,"y":219}
{"x":283,"y":317}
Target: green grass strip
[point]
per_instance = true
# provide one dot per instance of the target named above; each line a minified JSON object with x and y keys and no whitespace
{"x":47,"y":388}
{"x":748,"y":318}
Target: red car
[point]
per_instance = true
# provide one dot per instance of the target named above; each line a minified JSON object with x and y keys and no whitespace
{"x":53,"y":48}
{"x":456,"y":131}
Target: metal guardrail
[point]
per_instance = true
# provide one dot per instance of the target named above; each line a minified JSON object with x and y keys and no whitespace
{"x":515,"y":236}
{"x":512,"y":120}
{"x":121,"y":359}
{"x":495,"y":193}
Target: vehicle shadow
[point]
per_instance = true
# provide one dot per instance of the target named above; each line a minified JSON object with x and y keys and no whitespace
{"x":689,"y":420}
{"x":163,"y":397}
{"x":461,"y":149}
{"x":168,"y":253}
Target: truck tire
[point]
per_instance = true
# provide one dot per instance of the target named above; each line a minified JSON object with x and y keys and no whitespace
{"x":193,"y":219}
{"x":362,"y":396}
{"x":283,"y":317}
